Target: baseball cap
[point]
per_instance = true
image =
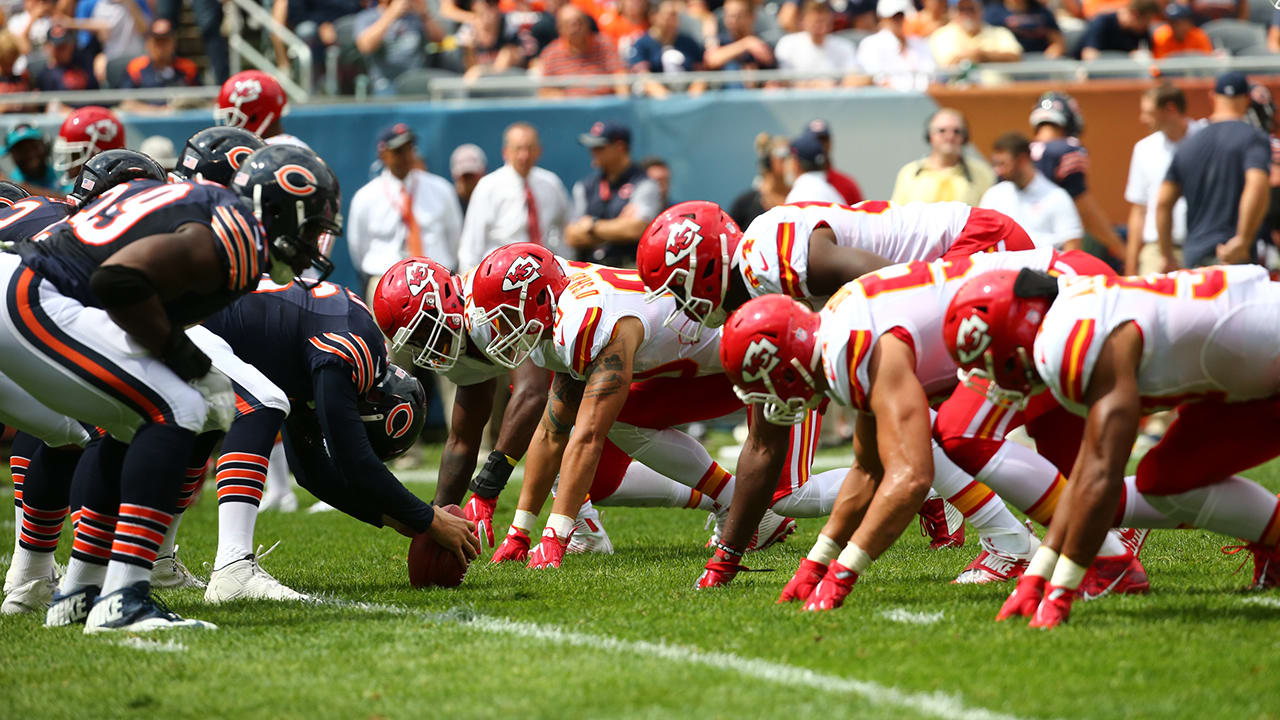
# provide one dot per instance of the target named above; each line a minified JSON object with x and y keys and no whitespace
{"x":603,"y":133}
{"x":808,"y":147}
{"x":1177,"y":11}
{"x":59,"y":35}
{"x":161,"y":27}
{"x":396,"y":137}
{"x":1232,"y":84}
{"x":466,"y":159}
{"x":889,"y":8}
{"x":821,"y":128}
{"x":20,"y":133}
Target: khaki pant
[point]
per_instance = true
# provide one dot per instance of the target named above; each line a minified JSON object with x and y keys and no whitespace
{"x":1150,"y":260}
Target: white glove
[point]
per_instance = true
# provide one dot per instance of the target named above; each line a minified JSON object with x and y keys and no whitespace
{"x":219,"y":398}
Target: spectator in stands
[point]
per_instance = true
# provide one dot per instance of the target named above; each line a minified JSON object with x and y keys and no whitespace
{"x":891,"y":57}
{"x":29,"y":149}
{"x":580,"y":51}
{"x":313,"y":22}
{"x":1163,"y":110}
{"x":123,"y":34}
{"x":1043,"y":209}
{"x":159,"y":68}
{"x":1124,"y":30}
{"x":1179,"y":34}
{"x":67,"y":67}
{"x":738,"y":47}
{"x":487,"y":46}
{"x":1031,"y":22}
{"x":945,"y":174}
{"x":1222,"y":170}
{"x":770,"y":186}
{"x":403,"y":212}
{"x":12,"y":81}
{"x":467,"y":165}
{"x":814,"y":49}
{"x":160,"y":149}
{"x":657,"y":170}
{"x":856,"y":14}
{"x":666,"y":50}
{"x":843,"y":184}
{"x":625,"y":23}
{"x":393,"y":38}
{"x":518,"y":202}
{"x":208,"y":16}
{"x":1205,"y":10}
{"x":809,"y":166}
{"x":933,"y":15}
{"x":968,"y":39}
{"x":615,"y":203}
{"x":31,"y":26}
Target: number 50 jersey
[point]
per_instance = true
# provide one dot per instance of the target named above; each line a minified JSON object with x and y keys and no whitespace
{"x":68,"y":252}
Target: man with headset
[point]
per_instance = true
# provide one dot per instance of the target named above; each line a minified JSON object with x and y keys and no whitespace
{"x":945,"y":174}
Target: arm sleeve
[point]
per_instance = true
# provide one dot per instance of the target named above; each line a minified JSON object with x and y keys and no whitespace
{"x":361,"y":474}
{"x":1257,"y":155}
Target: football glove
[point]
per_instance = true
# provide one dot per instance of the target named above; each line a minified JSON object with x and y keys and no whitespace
{"x":550,"y":552}
{"x":219,"y":397}
{"x":720,"y":570}
{"x":514,"y":547}
{"x":801,"y":585}
{"x":1023,"y":600}
{"x":480,"y":511}
{"x":830,"y":593}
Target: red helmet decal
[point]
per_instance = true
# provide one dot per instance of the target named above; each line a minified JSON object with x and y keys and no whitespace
{"x":237,"y":155}
{"x":103,"y":129}
{"x":417,"y":276}
{"x":973,"y":337}
{"x":399,"y":420}
{"x":522,"y":272}
{"x":759,"y":360}
{"x":682,"y":239}
{"x":245,"y":90}
{"x":290,"y":184}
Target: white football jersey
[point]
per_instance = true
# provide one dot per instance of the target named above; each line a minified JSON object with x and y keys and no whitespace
{"x":910,"y":301}
{"x":469,"y":370}
{"x":773,"y":256}
{"x":1208,"y":333}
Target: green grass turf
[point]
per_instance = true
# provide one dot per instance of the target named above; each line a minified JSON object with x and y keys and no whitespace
{"x":1196,"y":647}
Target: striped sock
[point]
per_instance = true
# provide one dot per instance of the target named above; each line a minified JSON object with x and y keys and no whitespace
{"x":717,"y":484}
{"x":18,"y":470}
{"x":241,"y":479}
{"x":139,"y":533}
{"x":1041,"y":511}
{"x":90,"y":551}
{"x":41,"y":528}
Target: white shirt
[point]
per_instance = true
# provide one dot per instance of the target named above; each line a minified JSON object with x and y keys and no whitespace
{"x":123,"y":38}
{"x":1147,"y":168}
{"x":813,"y":187}
{"x":498,"y":213}
{"x":286,"y":139}
{"x":1043,"y":209}
{"x":891,"y":64}
{"x":797,"y":52}
{"x":376,"y":230}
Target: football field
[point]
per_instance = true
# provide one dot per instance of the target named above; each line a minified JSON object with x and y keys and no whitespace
{"x":627,"y":636}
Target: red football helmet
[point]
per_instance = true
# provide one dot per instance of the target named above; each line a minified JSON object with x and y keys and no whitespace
{"x":418,"y":304}
{"x":990,"y":329}
{"x":686,"y":250}
{"x":769,"y":350}
{"x":251,"y":100}
{"x":86,"y":132}
{"x":513,"y":294}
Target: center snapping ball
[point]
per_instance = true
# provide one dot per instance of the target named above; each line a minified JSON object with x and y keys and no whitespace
{"x":432,"y":565}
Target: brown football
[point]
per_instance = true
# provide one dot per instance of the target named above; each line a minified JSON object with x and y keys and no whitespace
{"x":432,"y":565}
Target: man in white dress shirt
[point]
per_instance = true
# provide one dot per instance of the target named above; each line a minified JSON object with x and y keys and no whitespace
{"x":815,"y":49}
{"x":404,"y":211}
{"x":891,"y":57}
{"x":1043,"y":209}
{"x":518,"y":202}
{"x":811,"y":164}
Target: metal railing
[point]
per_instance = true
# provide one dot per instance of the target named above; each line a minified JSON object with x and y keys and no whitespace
{"x":299,"y":91}
{"x":201,"y":94}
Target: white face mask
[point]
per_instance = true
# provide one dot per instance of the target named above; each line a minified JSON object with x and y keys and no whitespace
{"x":281,"y":273}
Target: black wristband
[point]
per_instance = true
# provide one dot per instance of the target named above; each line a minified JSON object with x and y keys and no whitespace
{"x":493,"y":477}
{"x":183,"y":357}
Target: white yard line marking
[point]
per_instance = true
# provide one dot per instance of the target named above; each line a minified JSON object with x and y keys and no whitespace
{"x":137,"y":643}
{"x":1264,"y":601}
{"x":938,"y":704}
{"x":903,"y":615}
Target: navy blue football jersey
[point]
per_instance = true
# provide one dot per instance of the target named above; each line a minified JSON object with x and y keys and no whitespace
{"x":1065,"y":162}
{"x":287,"y":333}
{"x":28,"y":216}
{"x":69,"y":251}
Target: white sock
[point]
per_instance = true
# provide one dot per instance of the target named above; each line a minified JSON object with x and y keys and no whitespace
{"x":1021,"y":544}
{"x":1019,"y":475}
{"x":643,"y":486}
{"x":813,"y":499}
{"x":1235,"y":506}
{"x":824,"y":550}
{"x":235,"y":532}
{"x":29,"y":565}
{"x":1138,"y":511}
{"x":17,"y":526}
{"x":122,"y":575}
{"x":676,"y":455}
{"x":1112,"y":546}
{"x":587,"y":512}
{"x":170,"y":536}
{"x":80,"y":574}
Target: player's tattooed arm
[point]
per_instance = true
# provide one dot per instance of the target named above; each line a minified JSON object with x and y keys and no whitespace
{"x":562,"y":406}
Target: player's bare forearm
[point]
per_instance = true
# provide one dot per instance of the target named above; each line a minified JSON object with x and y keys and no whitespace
{"x":1137,"y":218}
{"x":1253,"y":204}
{"x":831,"y":266}
{"x":619,"y":230}
{"x":471,"y":408}
{"x":546,"y":449}
{"x":1168,"y":195}
{"x":527,"y":404}
{"x":759,"y":467}
{"x":851,"y":505}
{"x":145,"y":322}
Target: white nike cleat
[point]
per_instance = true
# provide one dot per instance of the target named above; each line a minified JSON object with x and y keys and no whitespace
{"x":773,"y":529}
{"x":135,"y":609}
{"x":31,"y":596}
{"x":72,"y":608}
{"x":169,"y":573}
{"x":244,"y":579}
{"x":1001,"y":559}
{"x":320,"y":506}
{"x":589,"y":535}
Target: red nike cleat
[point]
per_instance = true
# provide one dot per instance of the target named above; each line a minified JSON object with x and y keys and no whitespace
{"x":1266,"y":564}
{"x":1133,"y":539}
{"x":1112,"y":575}
{"x":1054,"y":609}
{"x":1024,"y":599}
{"x":719,"y":571}
{"x":937,"y":524}
{"x":831,"y":591}
{"x":801,"y":585}
{"x":991,"y":567}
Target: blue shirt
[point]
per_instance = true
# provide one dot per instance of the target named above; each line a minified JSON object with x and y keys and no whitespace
{"x":1104,"y":32}
{"x":649,"y":54}
{"x":1034,"y":28}
{"x":1065,"y":162}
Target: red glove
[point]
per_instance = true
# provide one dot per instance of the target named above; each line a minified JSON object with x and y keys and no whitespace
{"x":1023,"y":600}
{"x":480,"y":511}
{"x":835,"y":585}
{"x":720,"y":570}
{"x":514,"y":547}
{"x":801,"y":586}
{"x":549,"y":552}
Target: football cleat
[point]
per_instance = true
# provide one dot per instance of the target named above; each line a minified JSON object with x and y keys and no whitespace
{"x":550,"y":552}
{"x":830,"y":593}
{"x":942,"y":523}
{"x":279,"y":500}
{"x":515,"y":546}
{"x":72,"y":608}
{"x":1118,"y":574}
{"x":244,"y":579}
{"x":31,"y":596}
{"x":1266,"y":564}
{"x":719,"y":571}
{"x":169,"y":573}
{"x":1054,"y":608}
{"x":990,"y":567}
{"x":320,"y":506}
{"x":801,"y":585}
{"x":773,"y":528}
{"x":1133,"y":538}
{"x":588,"y":535}
{"x":135,"y":609}
{"x":1024,"y":599}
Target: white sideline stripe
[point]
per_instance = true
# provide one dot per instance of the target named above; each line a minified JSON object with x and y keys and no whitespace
{"x":903,"y":615}
{"x":1264,"y":601}
{"x":937,"y":704}
{"x":137,"y":643}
